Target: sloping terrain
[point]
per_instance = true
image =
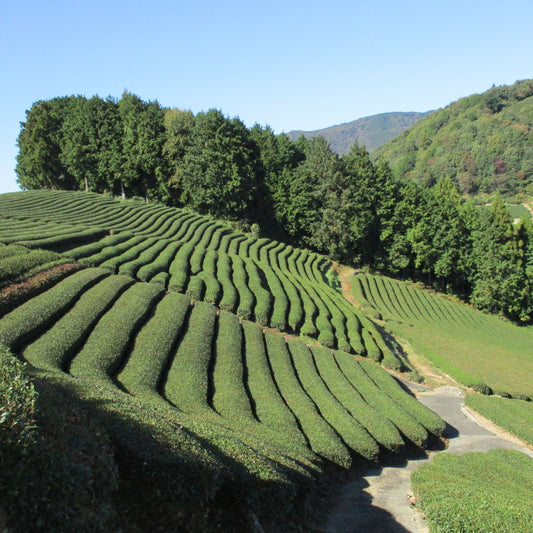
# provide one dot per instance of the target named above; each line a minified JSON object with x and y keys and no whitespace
{"x":146,"y":330}
{"x":482,"y":142}
{"x":371,"y":132}
{"x":478,"y":350}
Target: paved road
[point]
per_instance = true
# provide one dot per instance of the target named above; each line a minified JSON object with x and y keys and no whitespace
{"x":380,"y":501}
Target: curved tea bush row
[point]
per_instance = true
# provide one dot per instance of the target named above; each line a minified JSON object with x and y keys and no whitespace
{"x":19,"y":261}
{"x":270,"y":282}
{"x":153,"y":349}
{"x":54,"y":348}
{"x":102,"y":354}
{"x":31,"y":318}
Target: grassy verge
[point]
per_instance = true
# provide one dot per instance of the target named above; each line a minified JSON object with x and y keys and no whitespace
{"x":476,"y":492}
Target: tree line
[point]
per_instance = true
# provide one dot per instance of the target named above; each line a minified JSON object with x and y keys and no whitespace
{"x":348,"y":207}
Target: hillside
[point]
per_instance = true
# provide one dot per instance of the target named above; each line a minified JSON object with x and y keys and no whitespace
{"x":484,"y":142}
{"x":371,"y":132}
{"x":131,"y":311}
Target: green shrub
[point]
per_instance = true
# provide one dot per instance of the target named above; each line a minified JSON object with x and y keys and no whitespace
{"x":270,"y":408}
{"x":230,"y":398}
{"x":96,"y":247}
{"x":179,"y":268}
{"x":246,"y":297}
{"x":111,"y":251}
{"x":154,"y":346}
{"x":13,"y":267}
{"x":263,"y":298}
{"x":146,"y":257}
{"x":187,"y":384}
{"x":38,"y":314}
{"x":160,"y":264}
{"x":377,"y":398}
{"x":376,"y":423}
{"x":230,"y":295}
{"x":129,"y":255}
{"x":476,"y":492}
{"x":54,"y":348}
{"x":103,"y":353}
{"x":323,"y":440}
{"x":387,"y":384}
{"x":348,"y":427}
{"x":195,"y":288}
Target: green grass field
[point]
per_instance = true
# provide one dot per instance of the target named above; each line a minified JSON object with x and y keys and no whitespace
{"x":471,"y":346}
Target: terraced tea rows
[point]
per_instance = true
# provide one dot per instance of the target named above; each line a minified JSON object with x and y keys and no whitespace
{"x":207,"y":366}
{"x":266,"y":281}
{"x":444,"y":331}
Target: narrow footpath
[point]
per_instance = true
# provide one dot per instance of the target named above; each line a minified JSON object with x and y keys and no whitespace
{"x":381,"y":501}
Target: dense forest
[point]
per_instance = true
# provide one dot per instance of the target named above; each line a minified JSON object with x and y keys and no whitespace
{"x":349,"y":207}
{"x":483,"y":142}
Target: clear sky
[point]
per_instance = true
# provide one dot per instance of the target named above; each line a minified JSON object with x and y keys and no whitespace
{"x":301,"y":64}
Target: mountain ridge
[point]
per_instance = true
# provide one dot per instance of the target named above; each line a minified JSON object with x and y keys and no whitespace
{"x":371,"y":131}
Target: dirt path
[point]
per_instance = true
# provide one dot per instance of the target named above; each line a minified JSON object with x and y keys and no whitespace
{"x":381,"y":501}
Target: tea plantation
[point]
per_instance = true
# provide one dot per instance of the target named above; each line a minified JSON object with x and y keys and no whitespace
{"x":166,"y":328}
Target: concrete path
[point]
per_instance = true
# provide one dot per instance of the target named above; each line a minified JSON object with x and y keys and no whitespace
{"x":380,"y":502}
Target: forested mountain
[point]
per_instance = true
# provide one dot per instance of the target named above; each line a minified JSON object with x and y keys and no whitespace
{"x":347,"y":207}
{"x":371,"y":132}
{"x":483,"y":142}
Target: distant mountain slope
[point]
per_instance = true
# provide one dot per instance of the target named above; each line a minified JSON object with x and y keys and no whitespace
{"x":371,"y":131}
{"x":484,"y":142}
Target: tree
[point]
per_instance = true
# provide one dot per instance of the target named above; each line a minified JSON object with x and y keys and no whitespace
{"x":218,"y":175}
{"x":39,"y":164}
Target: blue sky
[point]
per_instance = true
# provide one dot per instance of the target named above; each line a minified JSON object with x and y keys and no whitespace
{"x":289,"y":64}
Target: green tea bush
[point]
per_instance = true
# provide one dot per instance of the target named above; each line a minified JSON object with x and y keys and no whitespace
{"x":179,"y":268}
{"x":96,"y":247}
{"x":54,"y":348}
{"x":114,"y":263}
{"x":348,"y":427}
{"x":13,"y":267}
{"x":40,"y":313}
{"x":155,"y":345}
{"x":476,"y":492}
{"x":406,"y":423}
{"x":187,"y":384}
{"x":387,"y":384}
{"x":195,"y":288}
{"x":230,"y":398}
{"x":146,"y":257}
{"x":160,"y":264}
{"x":104,"y":351}
{"x":323,"y":440}
{"x":378,"y":426}
{"x":263,"y":298}
{"x":240,"y":279}
{"x":270,"y":408}
{"x":230,"y":295}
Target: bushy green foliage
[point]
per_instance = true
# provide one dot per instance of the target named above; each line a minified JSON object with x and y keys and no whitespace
{"x":54,"y":348}
{"x":14,"y":266}
{"x":55,"y":458}
{"x":154,"y":346}
{"x":39,"y":313}
{"x":476,"y":492}
{"x":323,"y":439}
{"x":347,"y":426}
{"x":347,"y":393}
{"x":102,"y":354}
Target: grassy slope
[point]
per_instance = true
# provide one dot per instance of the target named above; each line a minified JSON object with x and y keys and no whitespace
{"x":467,"y":344}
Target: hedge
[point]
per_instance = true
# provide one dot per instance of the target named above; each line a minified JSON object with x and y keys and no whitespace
{"x":54,"y":348}
{"x":240,"y":279}
{"x":40,"y":313}
{"x":353,"y":433}
{"x":323,"y":439}
{"x":155,"y":345}
{"x":104,"y":352}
